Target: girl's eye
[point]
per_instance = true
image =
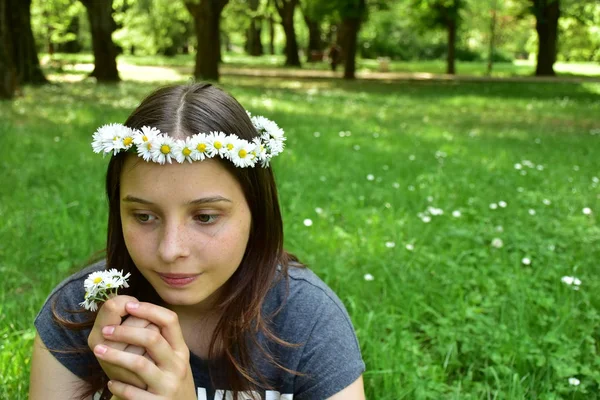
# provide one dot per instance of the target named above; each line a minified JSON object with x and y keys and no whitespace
{"x":143,"y":218}
{"x":206,"y":219}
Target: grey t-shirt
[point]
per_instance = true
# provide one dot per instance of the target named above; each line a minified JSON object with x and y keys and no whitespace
{"x":327,"y":352}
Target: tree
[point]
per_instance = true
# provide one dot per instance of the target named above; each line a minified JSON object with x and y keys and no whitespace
{"x":315,"y":43}
{"x":547,"y":13}
{"x":352,"y":14}
{"x":443,"y":13}
{"x":24,"y":50}
{"x":286,"y":9}
{"x":253,"y":43}
{"x":207,"y":19}
{"x":105,"y":53}
{"x":8,"y":74}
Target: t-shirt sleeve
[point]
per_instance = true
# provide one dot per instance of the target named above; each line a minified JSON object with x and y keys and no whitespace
{"x":69,"y":346}
{"x":331,"y":358}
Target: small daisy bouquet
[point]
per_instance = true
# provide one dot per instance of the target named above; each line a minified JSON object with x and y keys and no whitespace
{"x":100,"y":285}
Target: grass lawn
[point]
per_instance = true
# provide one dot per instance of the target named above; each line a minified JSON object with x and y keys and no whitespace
{"x":185,"y":63}
{"x":443,"y":214}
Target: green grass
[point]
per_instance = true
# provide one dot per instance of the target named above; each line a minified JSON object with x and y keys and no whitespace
{"x":185,"y":64}
{"x":453,"y":318}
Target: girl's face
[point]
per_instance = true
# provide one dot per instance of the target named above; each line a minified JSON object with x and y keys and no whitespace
{"x":185,"y":226}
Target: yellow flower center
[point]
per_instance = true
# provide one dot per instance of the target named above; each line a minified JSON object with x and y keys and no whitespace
{"x":218,"y":145}
{"x":148,"y":145}
{"x":127,"y":141}
{"x":98,"y":280}
{"x":201,"y":147}
{"x":229,"y":146}
{"x":186,"y":152}
{"x":242,"y":153}
{"x":165,"y":149}
{"x":145,"y":138}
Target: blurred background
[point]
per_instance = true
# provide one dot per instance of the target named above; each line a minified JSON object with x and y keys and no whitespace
{"x":441,"y":171}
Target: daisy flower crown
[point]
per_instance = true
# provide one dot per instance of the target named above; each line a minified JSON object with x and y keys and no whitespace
{"x":155,"y":146}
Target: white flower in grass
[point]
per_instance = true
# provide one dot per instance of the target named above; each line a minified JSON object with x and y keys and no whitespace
{"x":518,"y":166}
{"x":319,"y":210}
{"x":396,"y":185}
{"x":369,"y":277}
{"x":162,"y":149}
{"x":426,"y":219}
{"x":370,"y":177}
{"x":587,"y":211}
{"x":571,"y":280}
{"x":497,"y":243}
{"x":435,"y":211}
{"x":100,"y":285}
{"x":526,"y":261}
{"x":410,"y":247}
{"x":546,"y":202}
{"x":531,"y":211}
{"x":199,"y":144}
{"x":502,"y":204}
{"x":215,"y":142}
{"x":144,"y":139}
{"x":390,"y":245}
{"x":183,"y":149}
{"x":456,"y":214}
{"x":493,"y":206}
{"x":242,"y":155}
{"x":308,"y":222}
{"x":574,"y":382}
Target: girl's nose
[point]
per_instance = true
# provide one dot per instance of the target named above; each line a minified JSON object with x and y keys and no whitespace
{"x":173,"y":244}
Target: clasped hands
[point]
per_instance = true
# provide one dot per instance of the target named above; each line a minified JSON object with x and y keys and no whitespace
{"x":145,"y":356}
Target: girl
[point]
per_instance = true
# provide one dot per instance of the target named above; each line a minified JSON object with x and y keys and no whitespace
{"x":216,"y":308}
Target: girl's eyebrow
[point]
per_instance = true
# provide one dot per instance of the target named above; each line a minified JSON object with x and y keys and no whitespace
{"x":203,"y":200}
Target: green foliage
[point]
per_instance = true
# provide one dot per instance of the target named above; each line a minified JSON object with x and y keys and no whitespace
{"x":52,"y":22}
{"x":153,"y":26}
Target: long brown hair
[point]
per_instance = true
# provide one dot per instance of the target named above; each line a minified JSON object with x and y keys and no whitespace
{"x":182,"y":111}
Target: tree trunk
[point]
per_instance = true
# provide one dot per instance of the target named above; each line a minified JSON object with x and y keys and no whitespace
{"x":450,"y":67}
{"x":315,"y":44}
{"x":105,"y":53}
{"x":286,"y":9}
{"x":271,"y":35}
{"x":547,"y":13}
{"x":207,"y":18}
{"x":492,"y":37}
{"x":24,"y":51}
{"x":348,"y":37}
{"x":8,"y":73}
{"x":253,"y":43}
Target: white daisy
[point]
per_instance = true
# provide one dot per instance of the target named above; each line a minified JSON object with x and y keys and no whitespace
{"x":199,"y":145}
{"x":456,"y":214}
{"x":526,"y":261}
{"x":216,"y":143}
{"x":229,"y":144}
{"x":390,"y":245}
{"x":369,"y":277}
{"x":242,"y":155}
{"x":497,"y":243}
{"x":183,"y":149}
{"x":308,"y":222}
{"x":162,"y":149}
{"x":587,"y":211}
{"x":110,"y":138}
{"x":574,"y":382}
{"x":260,"y":152}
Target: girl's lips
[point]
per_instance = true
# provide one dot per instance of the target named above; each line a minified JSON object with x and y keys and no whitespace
{"x":178,"y":280}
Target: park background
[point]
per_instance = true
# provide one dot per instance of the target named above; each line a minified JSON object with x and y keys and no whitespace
{"x":444,"y":180}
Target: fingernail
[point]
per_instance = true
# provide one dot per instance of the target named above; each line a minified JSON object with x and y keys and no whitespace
{"x":132,"y":306}
{"x":100,"y":349}
{"x":110,"y":383}
{"x":108,"y":330}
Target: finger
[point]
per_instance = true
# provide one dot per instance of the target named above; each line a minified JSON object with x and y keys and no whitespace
{"x":152,"y":341}
{"x":165,"y":319}
{"x":122,"y":374}
{"x":110,"y":313}
{"x":144,"y":368}
{"x":127,"y":392}
{"x":138,"y":323}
